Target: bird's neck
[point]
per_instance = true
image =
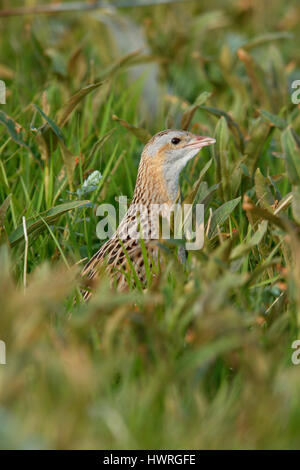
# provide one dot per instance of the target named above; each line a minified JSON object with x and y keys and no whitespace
{"x":154,"y":185}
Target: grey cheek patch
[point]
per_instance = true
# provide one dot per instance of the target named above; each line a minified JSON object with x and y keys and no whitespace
{"x":162,"y":141}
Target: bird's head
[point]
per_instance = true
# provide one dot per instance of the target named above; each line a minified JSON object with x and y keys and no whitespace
{"x":170,"y":150}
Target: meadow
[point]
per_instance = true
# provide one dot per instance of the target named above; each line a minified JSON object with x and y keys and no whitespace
{"x":201,"y":358}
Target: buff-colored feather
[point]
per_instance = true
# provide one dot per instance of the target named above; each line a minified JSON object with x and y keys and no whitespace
{"x":162,"y":159}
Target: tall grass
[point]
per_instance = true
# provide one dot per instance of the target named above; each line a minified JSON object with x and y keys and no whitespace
{"x":202,"y":358}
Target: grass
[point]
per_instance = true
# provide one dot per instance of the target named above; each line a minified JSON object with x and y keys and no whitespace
{"x":202,"y":358}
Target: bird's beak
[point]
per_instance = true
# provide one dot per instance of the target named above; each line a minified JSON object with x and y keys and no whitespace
{"x":199,"y":141}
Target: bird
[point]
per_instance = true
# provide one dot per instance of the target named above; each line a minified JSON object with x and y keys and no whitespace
{"x":157,"y":185}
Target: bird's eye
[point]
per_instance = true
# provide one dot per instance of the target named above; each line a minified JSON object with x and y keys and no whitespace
{"x":175,"y":140}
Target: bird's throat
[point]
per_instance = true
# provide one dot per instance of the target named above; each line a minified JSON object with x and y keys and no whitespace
{"x":156,"y":185}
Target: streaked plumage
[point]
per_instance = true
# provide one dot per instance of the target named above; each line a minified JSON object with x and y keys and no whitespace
{"x":162,"y":160}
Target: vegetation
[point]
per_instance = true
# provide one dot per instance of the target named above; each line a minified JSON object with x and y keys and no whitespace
{"x":202,"y":358}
